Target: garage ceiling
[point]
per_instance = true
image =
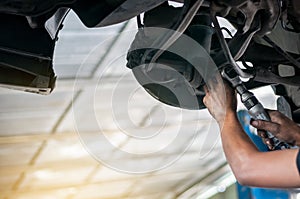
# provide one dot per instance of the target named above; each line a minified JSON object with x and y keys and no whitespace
{"x":99,"y":135}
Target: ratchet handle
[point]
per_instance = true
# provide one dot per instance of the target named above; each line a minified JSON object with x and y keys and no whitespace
{"x":258,"y":112}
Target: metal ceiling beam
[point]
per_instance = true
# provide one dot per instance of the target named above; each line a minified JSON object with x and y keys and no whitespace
{"x":71,"y":163}
{"x":67,"y":135}
{"x":82,"y":185}
{"x":207,"y":179}
{"x":37,"y":138}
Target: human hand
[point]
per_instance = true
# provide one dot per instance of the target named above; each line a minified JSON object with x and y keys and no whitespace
{"x":220,"y":99}
{"x":280,"y":126}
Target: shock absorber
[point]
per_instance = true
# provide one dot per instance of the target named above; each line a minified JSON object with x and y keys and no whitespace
{"x":255,"y":108}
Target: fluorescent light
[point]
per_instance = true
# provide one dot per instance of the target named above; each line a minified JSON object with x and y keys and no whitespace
{"x":219,"y":186}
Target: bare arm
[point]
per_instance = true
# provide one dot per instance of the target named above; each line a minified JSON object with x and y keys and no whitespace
{"x":254,"y":168}
{"x":251,"y":167}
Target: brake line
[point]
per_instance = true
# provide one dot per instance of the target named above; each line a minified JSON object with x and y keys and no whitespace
{"x":226,"y":50}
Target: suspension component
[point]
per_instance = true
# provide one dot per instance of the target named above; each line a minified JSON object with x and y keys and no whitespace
{"x":254,"y":107}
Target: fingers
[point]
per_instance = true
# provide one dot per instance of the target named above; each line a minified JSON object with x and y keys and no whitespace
{"x":262,"y":134}
{"x":277,"y":117}
{"x":265,"y":125}
{"x":205,"y":100}
{"x":205,"y":89}
{"x":214,"y":81}
{"x":265,"y":138}
{"x":269,"y":110}
{"x":206,"y":94}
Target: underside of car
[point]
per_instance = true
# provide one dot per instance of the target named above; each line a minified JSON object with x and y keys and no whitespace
{"x":266,"y":43}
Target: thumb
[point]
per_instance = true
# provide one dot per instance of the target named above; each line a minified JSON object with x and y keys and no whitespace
{"x":267,"y":126}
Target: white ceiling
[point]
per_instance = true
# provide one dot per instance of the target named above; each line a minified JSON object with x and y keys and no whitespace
{"x":99,"y":134}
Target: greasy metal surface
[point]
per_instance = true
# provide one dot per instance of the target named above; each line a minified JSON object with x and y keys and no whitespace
{"x":269,"y":8}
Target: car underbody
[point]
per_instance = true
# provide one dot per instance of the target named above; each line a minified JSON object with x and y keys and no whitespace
{"x":266,"y":41}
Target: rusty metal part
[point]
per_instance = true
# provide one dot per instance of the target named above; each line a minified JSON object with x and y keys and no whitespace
{"x":267,"y":76}
{"x":168,"y":40}
{"x":245,"y":11}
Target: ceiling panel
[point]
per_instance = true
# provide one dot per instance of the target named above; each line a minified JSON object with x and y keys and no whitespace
{"x":152,"y":182}
{"x":73,"y":55}
{"x":52,"y":178}
{"x":26,"y":113}
{"x":164,"y":195}
{"x":17,"y":153}
{"x":45,"y":194}
{"x":15,"y":101}
{"x":7,"y":181}
{"x":62,"y":150}
{"x":108,"y":174}
{"x":185,"y":162}
{"x":106,"y":190}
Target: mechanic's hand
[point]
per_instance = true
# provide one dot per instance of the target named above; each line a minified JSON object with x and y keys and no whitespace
{"x":220,"y":99}
{"x":280,"y":126}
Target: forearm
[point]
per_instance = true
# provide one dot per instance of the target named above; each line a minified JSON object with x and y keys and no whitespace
{"x":297,"y":137}
{"x":252,"y":167}
{"x":237,"y":146}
